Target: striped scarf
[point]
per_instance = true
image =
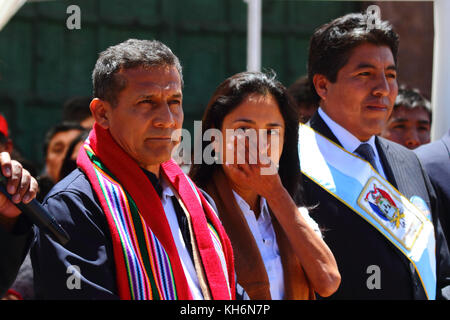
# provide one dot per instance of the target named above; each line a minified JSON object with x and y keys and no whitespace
{"x":147,"y":262}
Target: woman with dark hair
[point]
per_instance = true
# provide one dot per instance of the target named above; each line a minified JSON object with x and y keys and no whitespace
{"x":279,"y":252}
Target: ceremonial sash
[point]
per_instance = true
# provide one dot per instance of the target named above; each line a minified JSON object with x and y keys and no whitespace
{"x":355,"y":183}
{"x":147,"y":262}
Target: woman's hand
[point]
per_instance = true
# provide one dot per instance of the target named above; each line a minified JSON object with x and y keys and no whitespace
{"x":257,"y":171}
{"x":312,"y":252}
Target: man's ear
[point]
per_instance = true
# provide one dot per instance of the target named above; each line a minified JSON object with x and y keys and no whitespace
{"x":321,"y":85}
{"x":100,"y":110}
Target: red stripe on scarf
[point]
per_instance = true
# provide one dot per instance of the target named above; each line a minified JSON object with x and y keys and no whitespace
{"x":121,"y":273}
{"x":134,"y":180}
{"x":211,"y":262}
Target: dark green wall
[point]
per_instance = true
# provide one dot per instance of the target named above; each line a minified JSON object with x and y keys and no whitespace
{"x":42,"y":63}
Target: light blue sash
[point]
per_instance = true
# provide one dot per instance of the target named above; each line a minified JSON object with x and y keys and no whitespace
{"x":354,"y":182}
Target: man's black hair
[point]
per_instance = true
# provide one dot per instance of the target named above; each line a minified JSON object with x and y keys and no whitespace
{"x":331,"y":44}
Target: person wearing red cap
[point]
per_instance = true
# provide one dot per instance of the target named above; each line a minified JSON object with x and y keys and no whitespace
{"x":5,"y":141}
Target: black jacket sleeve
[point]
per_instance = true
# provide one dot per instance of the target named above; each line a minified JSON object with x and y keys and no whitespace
{"x":14,"y":247}
{"x":84,"y":267}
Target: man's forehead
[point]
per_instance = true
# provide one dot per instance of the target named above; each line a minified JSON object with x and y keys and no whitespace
{"x":159,"y":85}
{"x":155,"y":78}
{"x":367,"y":54}
{"x":159,"y":75}
{"x":404,"y":113}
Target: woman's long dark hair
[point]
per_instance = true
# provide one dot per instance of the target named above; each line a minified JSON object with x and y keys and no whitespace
{"x":229,"y":95}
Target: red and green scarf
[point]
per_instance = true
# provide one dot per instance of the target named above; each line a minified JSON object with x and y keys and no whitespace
{"x":147,"y":262}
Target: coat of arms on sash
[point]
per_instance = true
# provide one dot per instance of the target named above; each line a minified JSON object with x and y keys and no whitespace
{"x":400,"y":219}
{"x":384,"y":206}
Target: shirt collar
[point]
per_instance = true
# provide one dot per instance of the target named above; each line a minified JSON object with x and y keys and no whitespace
{"x":348,"y":141}
{"x":156,"y":183}
{"x":166,"y":189}
{"x":264,"y":214}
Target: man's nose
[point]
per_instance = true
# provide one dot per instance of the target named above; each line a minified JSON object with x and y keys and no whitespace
{"x":381,"y":88}
{"x":412,"y":139}
{"x":164,"y":117}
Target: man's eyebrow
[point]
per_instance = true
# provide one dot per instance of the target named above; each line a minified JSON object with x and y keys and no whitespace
{"x":146,"y":96}
{"x":150,"y":96}
{"x":392,"y":67}
{"x":365,"y":65}
{"x":394,"y":119}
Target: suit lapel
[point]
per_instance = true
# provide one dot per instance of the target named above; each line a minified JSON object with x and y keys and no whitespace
{"x":399,"y":168}
{"x":317,"y":123}
{"x":392,"y":166}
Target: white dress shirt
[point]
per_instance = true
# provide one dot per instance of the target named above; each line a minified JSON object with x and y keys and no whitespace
{"x":264,"y":234}
{"x":348,"y":141}
{"x":186,"y":260}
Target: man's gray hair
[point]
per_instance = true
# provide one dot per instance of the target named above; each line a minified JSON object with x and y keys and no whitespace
{"x":129,"y":54}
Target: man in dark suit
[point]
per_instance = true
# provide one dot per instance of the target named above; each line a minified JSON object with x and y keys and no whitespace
{"x":15,"y":232}
{"x":435,"y":158}
{"x":352,"y":69}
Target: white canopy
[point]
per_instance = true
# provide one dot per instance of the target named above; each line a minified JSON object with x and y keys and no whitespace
{"x":7,"y":9}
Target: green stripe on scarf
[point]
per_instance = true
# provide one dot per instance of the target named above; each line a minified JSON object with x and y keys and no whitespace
{"x":138,"y":229}
{"x":142,"y":247}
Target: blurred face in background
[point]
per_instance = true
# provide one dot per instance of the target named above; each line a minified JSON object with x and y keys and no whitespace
{"x":56,"y":151}
{"x":306,"y":111}
{"x":75,"y":151}
{"x":88,"y":123}
{"x":408,"y":127}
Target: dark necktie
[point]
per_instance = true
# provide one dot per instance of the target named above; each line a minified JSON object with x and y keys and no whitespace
{"x":366,"y":152}
{"x":181,"y":216}
{"x":155,"y":181}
